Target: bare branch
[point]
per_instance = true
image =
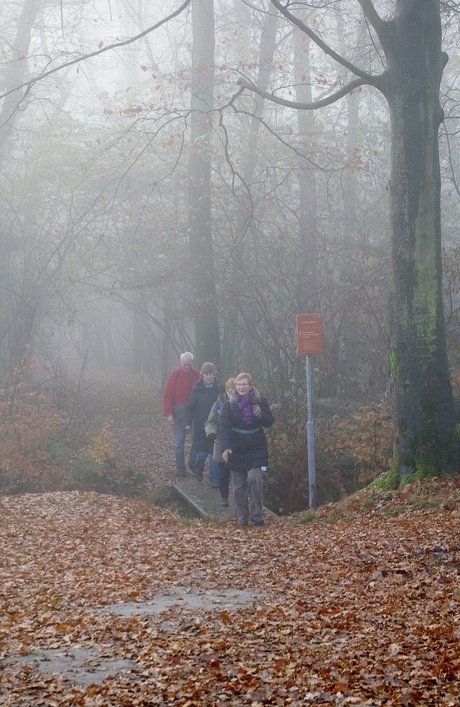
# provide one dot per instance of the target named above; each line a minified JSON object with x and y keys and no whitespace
{"x":372,"y":15}
{"x":380,"y":26}
{"x":306,"y":106}
{"x":83,"y":57}
{"x":367,"y":78}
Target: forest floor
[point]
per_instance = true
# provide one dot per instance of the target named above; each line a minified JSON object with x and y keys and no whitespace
{"x":108,"y":600}
{"x":140,"y":434}
{"x":138,"y":429}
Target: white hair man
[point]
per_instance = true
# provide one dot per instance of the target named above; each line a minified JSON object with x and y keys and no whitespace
{"x":177,"y":389}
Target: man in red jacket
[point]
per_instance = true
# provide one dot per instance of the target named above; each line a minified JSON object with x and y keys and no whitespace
{"x":176,"y":392}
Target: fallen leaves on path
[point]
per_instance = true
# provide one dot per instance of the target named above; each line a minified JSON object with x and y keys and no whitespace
{"x":138,"y":428}
{"x":362,"y":612}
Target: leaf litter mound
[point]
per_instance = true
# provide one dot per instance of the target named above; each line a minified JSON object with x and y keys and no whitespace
{"x":109,"y":601}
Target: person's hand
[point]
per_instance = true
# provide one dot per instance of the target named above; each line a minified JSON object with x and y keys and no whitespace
{"x":225,"y":455}
{"x":256,"y":410}
{"x":170,"y":419}
{"x":186,"y":427}
{"x":211,"y":437}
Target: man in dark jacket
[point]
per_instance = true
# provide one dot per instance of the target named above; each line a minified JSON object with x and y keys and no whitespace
{"x":244,"y":446}
{"x":200,"y":401}
{"x":176,"y":392}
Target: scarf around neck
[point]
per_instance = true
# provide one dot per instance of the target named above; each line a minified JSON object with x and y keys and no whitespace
{"x":245,"y":405}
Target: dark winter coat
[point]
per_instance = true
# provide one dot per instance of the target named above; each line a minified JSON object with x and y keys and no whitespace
{"x":249,"y":446}
{"x":200,"y":402}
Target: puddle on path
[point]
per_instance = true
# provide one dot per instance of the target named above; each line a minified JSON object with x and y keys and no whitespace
{"x":181,"y":598}
{"x":83,"y":666}
{"x":86,"y":665}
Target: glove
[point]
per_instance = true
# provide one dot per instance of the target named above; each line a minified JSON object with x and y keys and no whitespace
{"x":211,"y":437}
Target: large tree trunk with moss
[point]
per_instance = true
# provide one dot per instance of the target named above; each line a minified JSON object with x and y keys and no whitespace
{"x":424,"y":424}
{"x":207,"y":343}
{"x":426,"y":436}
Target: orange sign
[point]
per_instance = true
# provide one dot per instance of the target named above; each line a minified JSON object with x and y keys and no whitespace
{"x":309,"y":334}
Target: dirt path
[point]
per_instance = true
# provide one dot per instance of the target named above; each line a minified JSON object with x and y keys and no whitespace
{"x":139,"y":429}
{"x":141,"y":434}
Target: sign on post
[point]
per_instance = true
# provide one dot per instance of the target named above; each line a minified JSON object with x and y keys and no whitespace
{"x":309,"y":334}
{"x":310,"y":341}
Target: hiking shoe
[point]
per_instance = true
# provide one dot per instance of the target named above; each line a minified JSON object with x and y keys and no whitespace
{"x":258,"y":520}
{"x":224,"y":502}
{"x":214,"y":485}
{"x":198,"y":476}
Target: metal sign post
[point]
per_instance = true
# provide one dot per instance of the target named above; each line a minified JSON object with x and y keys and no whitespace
{"x":310,"y":341}
{"x":310,"y":439}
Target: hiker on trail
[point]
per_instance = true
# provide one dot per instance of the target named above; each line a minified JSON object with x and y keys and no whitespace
{"x":244,"y":446}
{"x":178,"y":387}
{"x":200,"y":402}
{"x":211,"y":427}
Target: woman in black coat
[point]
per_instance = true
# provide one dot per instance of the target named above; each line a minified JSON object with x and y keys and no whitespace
{"x":200,"y":401}
{"x":244,"y":446}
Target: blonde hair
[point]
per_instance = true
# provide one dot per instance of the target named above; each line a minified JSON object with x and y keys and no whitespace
{"x":230,"y":383}
{"x":240,"y":376}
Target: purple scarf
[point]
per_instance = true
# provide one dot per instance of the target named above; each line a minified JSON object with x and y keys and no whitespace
{"x":245,"y":405}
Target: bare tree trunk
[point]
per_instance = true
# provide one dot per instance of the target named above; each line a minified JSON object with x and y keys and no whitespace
{"x":207,"y":341}
{"x":308,"y":219}
{"x":17,"y":68}
{"x":267,"y":49}
{"x":346,"y":365}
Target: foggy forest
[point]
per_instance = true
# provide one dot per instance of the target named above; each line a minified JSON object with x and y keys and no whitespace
{"x":192,"y":176}
{"x":207,"y":177}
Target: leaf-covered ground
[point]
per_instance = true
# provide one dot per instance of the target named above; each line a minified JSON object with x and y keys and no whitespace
{"x":139,"y":431}
{"x":111,"y":601}
{"x":361,"y":611}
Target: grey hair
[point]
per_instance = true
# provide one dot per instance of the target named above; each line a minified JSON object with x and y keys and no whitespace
{"x":186,"y":354}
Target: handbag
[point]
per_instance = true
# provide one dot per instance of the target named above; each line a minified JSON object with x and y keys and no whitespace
{"x":179,"y":413}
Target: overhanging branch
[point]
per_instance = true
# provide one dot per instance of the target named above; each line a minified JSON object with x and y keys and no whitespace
{"x":305,"y":106}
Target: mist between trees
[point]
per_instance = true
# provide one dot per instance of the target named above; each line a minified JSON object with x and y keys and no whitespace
{"x":162,"y":191}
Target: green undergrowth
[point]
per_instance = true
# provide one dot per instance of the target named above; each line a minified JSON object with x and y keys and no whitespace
{"x":418,"y":497}
{"x":83,"y":472}
{"x":353,"y":446}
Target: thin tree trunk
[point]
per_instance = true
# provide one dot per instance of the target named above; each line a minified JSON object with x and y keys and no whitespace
{"x":207,"y":342}
{"x":18,"y":66}
{"x":308,"y":212}
{"x":266,"y":51}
